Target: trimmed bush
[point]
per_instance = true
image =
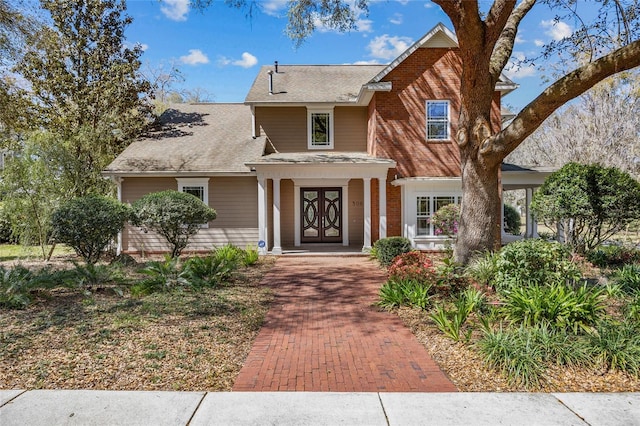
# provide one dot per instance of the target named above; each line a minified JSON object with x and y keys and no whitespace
{"x":387,"y":249}
{"x":88,"y":224}
{"x":590,"y":202}
{"x":404,"y":292}
{"x":512,"y":220}
{"x":174,"y":215}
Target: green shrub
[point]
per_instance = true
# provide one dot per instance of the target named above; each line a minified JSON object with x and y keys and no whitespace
{"x":591,"y":203}
{"x":6,"y":232}
{"x":450,"y":278}
{"x":91,"y":275}
{"x":88,"y":224}
{"x":229,"y":255}
{"x":251,"y":256}
{"x":162,"y":276}
{"x":558,"y":305}
{"x":446,"y":220}
{"x":628,"y":278}
{"x":515,"y":353}
{"x":388,"y":248}
{"x":612,"y":256}
{"x":483,"y":268}
{"x":632,"y":308}
{"x":512,"y":220}
{"x":616,"y":346}
{"x":534,"y":262}
{"x":396,"y":292}
{"x":206,"y":271}
{"x":175,"y":215}
{"x":450,"y":322}
{"x":15,"y":284}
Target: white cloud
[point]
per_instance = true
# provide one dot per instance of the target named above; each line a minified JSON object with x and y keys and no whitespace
{"x":194,"y":57}
{"x":176,"y":10}
{"x":388,"y":47}
{"x":556,"y":30}
{"x":396,"y":19}
{"x":516,"y":69}
{"x":428,"y":5}
{"x":273,"y":7}
{"x":519,"y":40}
{"x":403,"y":2}
{"x":538,"y":42}
{"x":247,"y":61}
{"x":371,"y":62}
{"x":364,"y":26}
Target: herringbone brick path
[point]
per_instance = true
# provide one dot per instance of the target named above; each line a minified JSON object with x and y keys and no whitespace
{"x":323,"y":333}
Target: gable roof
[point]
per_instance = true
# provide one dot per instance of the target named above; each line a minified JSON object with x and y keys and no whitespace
{"x":198,"y":138}
{"x":311,"y":83}
{"x":439,"y":37}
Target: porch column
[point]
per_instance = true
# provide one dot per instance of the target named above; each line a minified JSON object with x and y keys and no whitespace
{"x":262,"y":215}
{"x":382,"y":207}
{"x":277,"y":248}
{"x":534,"y":222}
{"x":367,"y":215}
{"x":529,"y":219}
{"x":345,"y":215}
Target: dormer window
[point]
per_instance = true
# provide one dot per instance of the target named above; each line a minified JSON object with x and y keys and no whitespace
{"x":438,"y":121}
{"x":320,"y":128}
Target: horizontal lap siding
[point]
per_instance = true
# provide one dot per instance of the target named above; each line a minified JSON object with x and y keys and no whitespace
{"x":286,"y":128}
{"x":235,"y":200}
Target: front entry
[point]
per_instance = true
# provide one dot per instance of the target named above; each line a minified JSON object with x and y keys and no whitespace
{"x":321,"y":212}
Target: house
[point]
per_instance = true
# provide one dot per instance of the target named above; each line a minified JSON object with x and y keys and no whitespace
{"x":318,"y":154}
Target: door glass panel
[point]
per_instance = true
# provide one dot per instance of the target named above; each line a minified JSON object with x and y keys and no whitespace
{"x":310,"y":214}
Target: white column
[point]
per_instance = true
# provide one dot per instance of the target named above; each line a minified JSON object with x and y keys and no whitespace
{"x":367,"y":214}
{"x":262,"y":215}
{"x":277,"y":247}
{"x":296,"y":214}
{"x":382,"y":207}
{"x":534,"y":222}
{"x":529,"y":217}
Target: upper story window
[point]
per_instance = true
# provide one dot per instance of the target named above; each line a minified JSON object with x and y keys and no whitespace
{"x":198,"y":187}
{"x":438,"y":120}
{"x":320,"y":128}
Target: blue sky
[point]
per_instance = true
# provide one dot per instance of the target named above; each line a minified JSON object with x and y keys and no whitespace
{"x":221,"y":49}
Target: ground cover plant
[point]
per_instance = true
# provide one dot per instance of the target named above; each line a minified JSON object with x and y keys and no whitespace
{"x":80,"y":326}
{"x":529,"y":317}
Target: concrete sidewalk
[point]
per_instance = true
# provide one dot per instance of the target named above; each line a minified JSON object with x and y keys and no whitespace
{"x":84,"y":407}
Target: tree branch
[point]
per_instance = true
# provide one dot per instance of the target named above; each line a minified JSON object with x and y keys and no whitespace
{"x":497,"y":18}
{"x":504,"y":45}
{"x":452,"y":9}
{"x":568,"y":87}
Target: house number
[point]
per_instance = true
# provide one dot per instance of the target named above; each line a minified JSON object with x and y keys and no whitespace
{"x":356,"y":203}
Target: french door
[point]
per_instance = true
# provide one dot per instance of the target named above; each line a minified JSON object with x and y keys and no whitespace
{"x":321,"y":212}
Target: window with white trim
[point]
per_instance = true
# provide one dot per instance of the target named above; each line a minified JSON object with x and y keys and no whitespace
{"x":198,"y":187}
{"x":438,"y":120}
{"x":320,"y":128}
{"x":426,"y":206}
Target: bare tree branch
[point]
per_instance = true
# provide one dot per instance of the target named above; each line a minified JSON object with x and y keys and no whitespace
{"x":565,"y":89}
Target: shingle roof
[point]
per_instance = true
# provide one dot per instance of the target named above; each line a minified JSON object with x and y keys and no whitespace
{"x":322,"y":158}
{"x":311,"y":83}
{"x":207,"y":138}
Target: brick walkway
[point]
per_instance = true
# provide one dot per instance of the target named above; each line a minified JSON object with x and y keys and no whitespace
{"x":323,"y":334}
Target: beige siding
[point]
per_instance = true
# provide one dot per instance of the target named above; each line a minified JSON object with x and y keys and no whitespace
{"x":286,"y":128}
{"x":235,"y":200}
{"x":356,"y":212}
{"x":351,"y":129}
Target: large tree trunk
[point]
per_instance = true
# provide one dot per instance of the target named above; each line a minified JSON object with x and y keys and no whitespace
{"x":480,"y":216}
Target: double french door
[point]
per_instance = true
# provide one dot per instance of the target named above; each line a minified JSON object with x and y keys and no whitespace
{"x":321,"y":212}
